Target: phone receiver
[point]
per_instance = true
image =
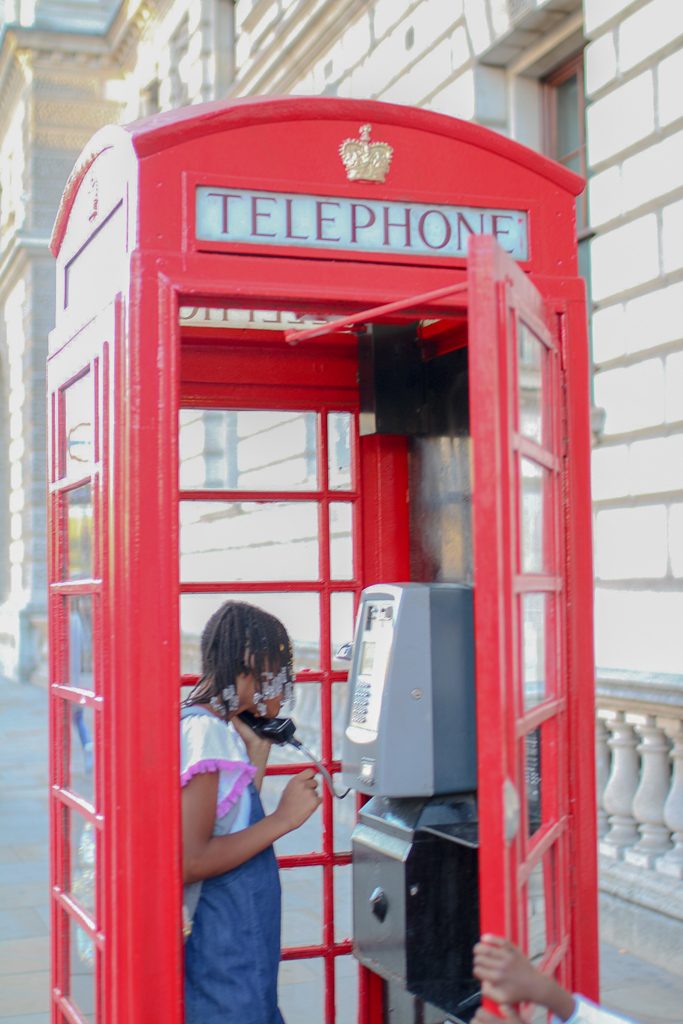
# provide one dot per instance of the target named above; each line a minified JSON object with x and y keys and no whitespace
{"x":281,"y":731}
{"x":277,"y":730}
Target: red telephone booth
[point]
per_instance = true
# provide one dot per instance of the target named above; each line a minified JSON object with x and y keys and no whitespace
{"x":234,"y":410}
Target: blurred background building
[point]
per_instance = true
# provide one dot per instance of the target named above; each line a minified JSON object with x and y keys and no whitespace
{"x":595,"y":84}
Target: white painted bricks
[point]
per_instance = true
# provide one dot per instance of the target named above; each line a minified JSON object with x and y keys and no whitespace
{"x":642,"y":323}
{"x":639,"y":630}
{"x":632,"y":397}
{"x":625,"y":257}
{"x":600,"y":62}
{"x":670,"y":88}
{"x":650,"y":29}
{"x":672,"y":234}
{"x":610,"y":477}
{"x":642,"y":469}
{"x":656,"y":465}
{"x":676,"y":539}
{"x":631,"y":543}
{"x":621,"y":119}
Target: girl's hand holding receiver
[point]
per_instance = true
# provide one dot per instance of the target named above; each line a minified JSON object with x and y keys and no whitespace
{"x":299,"y":800}
{"x":258,"y":748}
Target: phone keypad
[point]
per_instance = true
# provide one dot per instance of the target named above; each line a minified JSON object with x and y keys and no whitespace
{"x":361,"y":702}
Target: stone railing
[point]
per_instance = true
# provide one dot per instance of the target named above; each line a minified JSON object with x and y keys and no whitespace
{"x":639,"y":768}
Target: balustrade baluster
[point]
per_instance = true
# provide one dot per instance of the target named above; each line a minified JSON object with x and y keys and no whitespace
{"x":602,"y":758}
{"x":672,"y":862}
{"x":621,"y":787}
{"x":649,"y":799}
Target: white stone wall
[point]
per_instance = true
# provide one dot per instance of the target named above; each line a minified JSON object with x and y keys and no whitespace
{"x":634,"y":83}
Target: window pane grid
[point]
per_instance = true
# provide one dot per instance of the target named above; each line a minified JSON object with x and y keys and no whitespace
{"x":329,"y":593}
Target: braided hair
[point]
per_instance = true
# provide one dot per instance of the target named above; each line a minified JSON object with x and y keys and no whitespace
{"x":241,"y":638}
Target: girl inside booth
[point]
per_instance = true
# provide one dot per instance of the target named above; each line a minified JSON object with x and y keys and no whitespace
{"x":231,"y":893}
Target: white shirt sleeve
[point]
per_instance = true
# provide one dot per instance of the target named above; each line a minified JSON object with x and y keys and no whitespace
{"x":586,"y":1012}
{"x":209,"y":745}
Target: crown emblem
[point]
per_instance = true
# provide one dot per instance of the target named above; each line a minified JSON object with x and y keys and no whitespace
{"x":365,"y":160}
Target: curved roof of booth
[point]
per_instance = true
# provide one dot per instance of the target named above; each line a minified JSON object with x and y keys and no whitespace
{"x":166,"y":130}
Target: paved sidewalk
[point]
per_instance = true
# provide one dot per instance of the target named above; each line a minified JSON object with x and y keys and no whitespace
{"x":649,"y":995}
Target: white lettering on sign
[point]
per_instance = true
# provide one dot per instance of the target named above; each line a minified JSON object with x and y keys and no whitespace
{"x":368,"y":225}
{"x":250,"y":319}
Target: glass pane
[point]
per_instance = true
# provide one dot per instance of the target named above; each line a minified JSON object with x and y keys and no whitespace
{"x":78,"y":448}
{"x":538,"y":939}
{"x":78,"y":511}
{"x":343,"y":929}
{"x":307,"y":838}
{"x":80,"y":750}
{"x":302,"y":900}
{"x":533,"y":649}
{"x":341,"y":626}
{"x":532,"y":772}
{"x":299,"y":613}
{"x":301,"y":987}
{"x":532,"y":540}
{"x":82,"y":971}
{"x":83,"y":839}
{"x":307,"y":717}
{"x":340,"y":700}
{"x":248,"y":449}
{"x":530,"y":355}
{"x":254,"y":540}
{"x":346,"y":976}
{"x":344,"y":817}
{"x":341,"y":540}
{"x":80,"y":667}
{"x":339,"y":448}
{"x":568,"y":135}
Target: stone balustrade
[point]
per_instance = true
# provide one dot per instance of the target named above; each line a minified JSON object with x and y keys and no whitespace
{"x":639,"y":780}
{"x":639,"y":771}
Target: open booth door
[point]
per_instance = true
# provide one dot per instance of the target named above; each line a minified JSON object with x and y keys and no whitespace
{"x":527,"y":687}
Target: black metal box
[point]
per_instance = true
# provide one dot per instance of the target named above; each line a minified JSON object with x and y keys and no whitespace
{"x":416,"y":897}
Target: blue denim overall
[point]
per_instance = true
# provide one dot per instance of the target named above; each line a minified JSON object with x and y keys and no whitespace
{"x":233,"y":954}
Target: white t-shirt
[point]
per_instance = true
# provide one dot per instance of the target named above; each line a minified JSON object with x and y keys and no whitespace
{"x":208,"y":744}
{"x":586,"y":1012}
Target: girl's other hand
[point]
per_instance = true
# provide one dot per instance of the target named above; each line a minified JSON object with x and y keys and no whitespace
{"x":299,"y":800}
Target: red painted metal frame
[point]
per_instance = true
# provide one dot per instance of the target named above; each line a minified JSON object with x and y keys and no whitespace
{"x":501,"y":298}
{"x":292,"y":144}
{"x":209,"y":387}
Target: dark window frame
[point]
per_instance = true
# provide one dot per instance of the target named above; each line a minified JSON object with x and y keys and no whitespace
{"x":573,"y":67}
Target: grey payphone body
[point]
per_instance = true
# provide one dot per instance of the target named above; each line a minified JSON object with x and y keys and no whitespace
{"x":410,"y":727}
{"x":410,"y":742}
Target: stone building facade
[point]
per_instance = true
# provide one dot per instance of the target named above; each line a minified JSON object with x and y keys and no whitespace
{"x":597,"y":84}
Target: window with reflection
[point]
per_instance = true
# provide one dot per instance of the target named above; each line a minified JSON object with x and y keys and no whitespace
{"x":534,"y":496}
{"x":298,"y":612}
{"x":77,"y":449}
{"x":248,"y":450}
{"x":533,"y":780}
{"x":536,"y":913}
{"x":339,"y":451}
{"x":230,"y":540}
{"x":80,"y":646}
{"x":78,"y":550}
{"x":531,"y":356}
{"x":534,"y":649}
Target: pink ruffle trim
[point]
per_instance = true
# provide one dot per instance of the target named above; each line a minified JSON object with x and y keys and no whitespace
{"x":213,"y":764}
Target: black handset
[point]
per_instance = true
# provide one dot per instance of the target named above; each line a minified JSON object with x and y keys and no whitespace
{"x":281,"y":731}
{"x":278,"y":730}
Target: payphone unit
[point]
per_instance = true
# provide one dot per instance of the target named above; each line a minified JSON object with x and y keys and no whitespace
{"x":410,"y":743}
{"x":411,"y":722}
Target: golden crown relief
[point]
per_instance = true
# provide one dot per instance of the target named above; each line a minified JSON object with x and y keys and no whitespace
{"x":365,"y":160}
